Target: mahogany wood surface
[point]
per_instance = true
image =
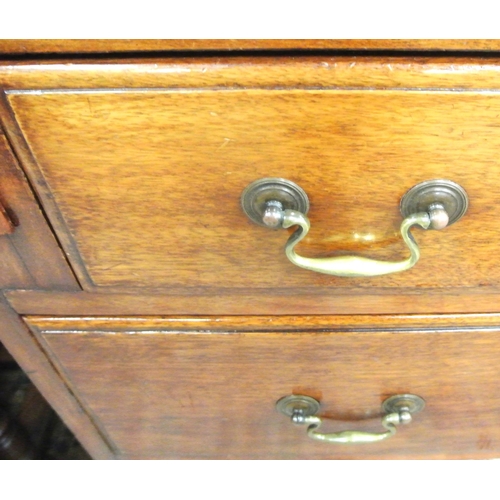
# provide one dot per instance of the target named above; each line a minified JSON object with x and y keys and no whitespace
{"x":137,"y":165}
{"x":28,"y":353}
{"x":159,"y":204}
{"x":66,"y":46}
{"x":31,"y":256}
{"x":203,"y":394}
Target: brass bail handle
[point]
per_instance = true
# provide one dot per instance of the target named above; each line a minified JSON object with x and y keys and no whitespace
{"x":398,"y":410}
{"x":278,"y":203}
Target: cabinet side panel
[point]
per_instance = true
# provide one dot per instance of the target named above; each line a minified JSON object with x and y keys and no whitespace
{"x":33,"y":253}
{"x":23,"y":346}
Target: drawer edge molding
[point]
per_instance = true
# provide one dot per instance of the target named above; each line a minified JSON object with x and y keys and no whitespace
{"x":264,"y":324}
{"x":377,"y":72}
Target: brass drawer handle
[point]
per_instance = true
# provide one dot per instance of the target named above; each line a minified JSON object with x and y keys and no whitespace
{"x":279,"y":203}
{"x":398,"y":410}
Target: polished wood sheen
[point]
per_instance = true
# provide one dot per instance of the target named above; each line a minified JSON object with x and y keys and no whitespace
{"x":27,"y":46}
{"x":201,"y":394}
{"x":171,"y":218}
{"x":325,"y":71}
{"x":315,"y":324}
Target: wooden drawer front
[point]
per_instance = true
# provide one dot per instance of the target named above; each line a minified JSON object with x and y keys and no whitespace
{"x":160,"y":388}
{"x":143,"y":186}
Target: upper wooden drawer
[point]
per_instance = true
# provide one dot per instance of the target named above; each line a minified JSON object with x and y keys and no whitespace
{"x":143,"y":185}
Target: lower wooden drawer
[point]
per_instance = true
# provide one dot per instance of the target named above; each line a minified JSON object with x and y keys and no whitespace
{"x":207,"y":388}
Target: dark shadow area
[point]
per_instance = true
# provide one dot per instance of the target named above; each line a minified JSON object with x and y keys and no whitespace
{"x":29,"y":427}
{"x":245,"y":54}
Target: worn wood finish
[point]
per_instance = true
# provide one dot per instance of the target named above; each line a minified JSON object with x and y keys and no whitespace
{"x":228,"y":72}
{"x":212,"y":395}
{"x":354,"y":171}
{"x":28,"y":46}
{"x":31,"y":256}
{"x":28,"y":353}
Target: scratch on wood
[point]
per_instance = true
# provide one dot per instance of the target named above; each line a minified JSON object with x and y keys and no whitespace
{"x":225,"y":143}
{"x":90,"y":106}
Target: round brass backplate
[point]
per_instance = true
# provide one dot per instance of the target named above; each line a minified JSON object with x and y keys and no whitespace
{"x":450,"y":195}
{"x":289,"y":404}
{"x":256,"y":195}
{"x":409,"y":402}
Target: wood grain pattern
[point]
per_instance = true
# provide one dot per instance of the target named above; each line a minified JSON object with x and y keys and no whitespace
{"x":31,"y":256}
{"x":212,"y":395}
{"x":254,"y":72}
{"x":26,"y":350}
{"x":29,"y":46}
{"x":142,"y":187}
{"x":171,"y":217}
